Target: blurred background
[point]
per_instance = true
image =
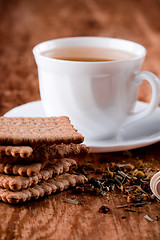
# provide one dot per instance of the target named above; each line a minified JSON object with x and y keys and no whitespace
{"x":25,"y":23}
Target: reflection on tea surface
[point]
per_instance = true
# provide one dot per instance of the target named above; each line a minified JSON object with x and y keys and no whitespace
{"x":87,"y":54}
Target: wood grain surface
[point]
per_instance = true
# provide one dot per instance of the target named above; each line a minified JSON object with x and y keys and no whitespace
{"x":23,"y":24}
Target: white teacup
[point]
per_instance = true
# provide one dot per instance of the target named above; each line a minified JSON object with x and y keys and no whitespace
{"x":98,"y":97}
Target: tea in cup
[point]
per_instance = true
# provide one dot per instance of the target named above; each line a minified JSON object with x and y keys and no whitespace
{"x":93,"y":81}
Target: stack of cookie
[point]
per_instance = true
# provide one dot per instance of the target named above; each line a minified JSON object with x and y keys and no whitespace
{"x":36,"y":155}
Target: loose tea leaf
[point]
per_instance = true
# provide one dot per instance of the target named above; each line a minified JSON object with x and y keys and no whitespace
{"x":131,"y":210}
{"x":148,"y":218}
{"x":132,"y":180}
{"x":84,"y":172}
{"x":71,"y":201}
{"x":123,"y":206}
{"x":142,"y":203}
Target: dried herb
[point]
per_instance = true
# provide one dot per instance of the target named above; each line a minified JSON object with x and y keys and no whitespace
{"x":71,"y":201}
{"x":124,"y":175}
{"x":104,"y":209}
{"x":124,"y":206}
{"x":84,"y":172}
{"x":135,"y":204}
{"x":131,"y":210}
{"x":148,"y":218}
{"x":132,"y":180}
{"x":142,"y":203}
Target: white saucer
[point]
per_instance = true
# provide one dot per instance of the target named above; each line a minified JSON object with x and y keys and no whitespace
{"x":139,"y":134}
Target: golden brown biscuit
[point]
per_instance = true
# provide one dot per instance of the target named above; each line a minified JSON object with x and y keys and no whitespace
{"x":16,"y":183}
{"x":48,"y":153}
{"x":16,"y":151}
{"x":60,"y":183}
{"x":37,"y":131}
{"x":29,"y":170}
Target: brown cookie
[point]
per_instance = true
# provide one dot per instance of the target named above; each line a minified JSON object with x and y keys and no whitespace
{"x":48,"y":153}
{"x":16,"y":151}
{"x":64,"y":150}
{"x":60,"y":151}
{"x":60,"y":183}
{"x":37,"y":131}
{"x":21,"y":169}
{"x":16,"y":183}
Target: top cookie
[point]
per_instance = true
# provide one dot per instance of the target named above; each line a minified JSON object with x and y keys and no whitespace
{"x":37,"y":131}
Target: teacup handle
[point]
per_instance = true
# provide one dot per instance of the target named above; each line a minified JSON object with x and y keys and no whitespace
{"x":155,"y":84}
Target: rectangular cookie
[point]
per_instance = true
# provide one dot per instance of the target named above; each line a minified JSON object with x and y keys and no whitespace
{"x":47,"y":153}
{"x":57,"y":184}
{"x":16,"y":183}
{"x":37,"y":131}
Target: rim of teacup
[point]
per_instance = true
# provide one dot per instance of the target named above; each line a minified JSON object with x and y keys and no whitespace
{"x":77,"y":41}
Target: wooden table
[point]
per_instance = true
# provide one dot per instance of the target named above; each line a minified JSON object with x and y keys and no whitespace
{"x":23,"y":24}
